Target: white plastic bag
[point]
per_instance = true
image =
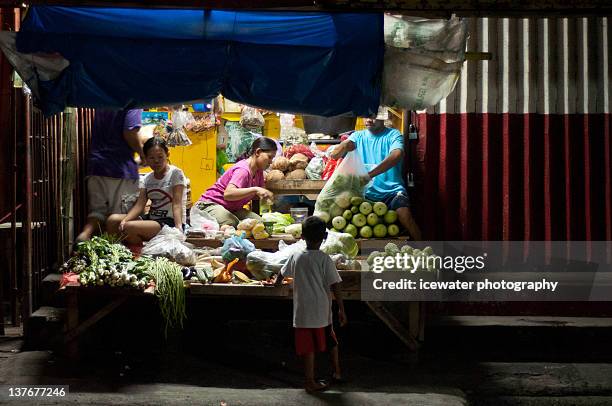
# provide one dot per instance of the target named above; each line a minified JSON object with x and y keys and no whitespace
{"x":315,"y":168}
{"x":348,"y":181}
{"x":423,"y":60}
{"x":200,"y":220}
{"x":263,"y":264}
{"x":170,"y":243}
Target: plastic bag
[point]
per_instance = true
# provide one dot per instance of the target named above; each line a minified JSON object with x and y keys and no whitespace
{"x":200,"y":220}
{"x":330,"y":168}
{"x":251,"y":118}
{"x":236,"y":247}
{"x":340,"y":243}
{"x":170,"y":243}
{"x":240,"y":140}
{"x":203,"y":122}
{"x":315,"y":167}
{"x":348,"y":181}
{"x":181,"y":118}
{"x":315,"y":150}
{"x":263,"y":264}
{"x":423,"y":60}
{"x":247,"y":224}
{"x":299,"y":149}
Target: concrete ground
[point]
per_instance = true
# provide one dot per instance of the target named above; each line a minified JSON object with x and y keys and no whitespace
{"x":250,"y":369}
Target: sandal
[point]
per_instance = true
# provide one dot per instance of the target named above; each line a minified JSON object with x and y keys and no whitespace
{"x":322,"y":386}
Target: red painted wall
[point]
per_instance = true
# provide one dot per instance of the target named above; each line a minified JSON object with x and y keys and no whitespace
{"x":513,"y":176}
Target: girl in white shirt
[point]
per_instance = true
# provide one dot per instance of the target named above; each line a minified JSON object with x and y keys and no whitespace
{"x":165,"y":187}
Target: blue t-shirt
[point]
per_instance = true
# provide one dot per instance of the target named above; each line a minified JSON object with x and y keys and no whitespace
{"x":373,"y":149}
{"x":109,"y":154}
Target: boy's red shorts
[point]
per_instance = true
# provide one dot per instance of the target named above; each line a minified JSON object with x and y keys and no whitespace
{"x":311,"y":340}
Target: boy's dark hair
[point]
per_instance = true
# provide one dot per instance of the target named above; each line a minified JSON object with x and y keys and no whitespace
{"x":313,"y":229}
{"x":153,"y":142}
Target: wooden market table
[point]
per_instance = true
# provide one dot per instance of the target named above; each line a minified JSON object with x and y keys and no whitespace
{"x":351,"y":290}
{"x":308,"y":188}
{"x":366,"y":245}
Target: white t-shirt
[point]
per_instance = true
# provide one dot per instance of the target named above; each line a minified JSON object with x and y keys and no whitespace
{"x":159,"y":191}
{"x":313,"y":273}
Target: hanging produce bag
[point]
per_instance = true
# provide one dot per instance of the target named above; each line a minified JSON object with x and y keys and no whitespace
{"x":240,"y":140}
{"x":251,"y":119}
{"x":347,"y":183}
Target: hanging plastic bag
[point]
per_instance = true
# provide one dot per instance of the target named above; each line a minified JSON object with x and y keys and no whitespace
{"x":240,"y":140}
{"x":348,"y":181}
{"x":236,"y":247}
{"x":423,"y":60}
{"x":170,"y":243}
{"x":252,"y":119}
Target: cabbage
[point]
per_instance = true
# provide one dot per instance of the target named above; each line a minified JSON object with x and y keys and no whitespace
{"x":340,"y":243}
{"x":280,"y":221}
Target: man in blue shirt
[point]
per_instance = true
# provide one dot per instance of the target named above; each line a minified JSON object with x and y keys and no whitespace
{"x":382,"y":148}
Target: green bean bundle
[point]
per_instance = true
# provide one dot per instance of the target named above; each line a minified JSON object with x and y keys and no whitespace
{"x":170,"y":291}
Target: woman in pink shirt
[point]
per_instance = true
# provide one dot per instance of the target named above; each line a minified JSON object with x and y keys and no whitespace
{"x":242,"y":183}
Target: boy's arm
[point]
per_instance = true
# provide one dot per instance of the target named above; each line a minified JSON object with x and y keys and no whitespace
{"x":335,"y":288}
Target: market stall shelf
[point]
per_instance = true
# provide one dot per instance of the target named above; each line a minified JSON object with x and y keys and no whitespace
{"x":410,"y":331}
{"x":268,"y":244}
{"x":308,"y":188}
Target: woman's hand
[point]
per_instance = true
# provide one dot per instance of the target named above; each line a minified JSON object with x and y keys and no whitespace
{"x":122,"y":225}
{"x":263,"y":193}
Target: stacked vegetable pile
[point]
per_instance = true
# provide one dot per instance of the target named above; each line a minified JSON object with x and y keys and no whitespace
{"x":424,"y":259}
{"x":353,"y":215}
{"x":101,"y":262}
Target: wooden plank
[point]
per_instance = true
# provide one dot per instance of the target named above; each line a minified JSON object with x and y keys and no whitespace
{"x":391,"y":321}
{"x":72,"y":322}
{"x":414,"y":319}
{"x":73,"y":333}
{"x":108,"y":290}
{"x":308,"y":188}
{"x":225,"y":289}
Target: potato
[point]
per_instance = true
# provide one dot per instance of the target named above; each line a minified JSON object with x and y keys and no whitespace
{"x":281,"y":163}
{"x":298,"y":174}
{"x":275,"y":175}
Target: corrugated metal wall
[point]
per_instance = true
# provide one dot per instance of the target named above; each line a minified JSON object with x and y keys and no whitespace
{"x":521,"y":149}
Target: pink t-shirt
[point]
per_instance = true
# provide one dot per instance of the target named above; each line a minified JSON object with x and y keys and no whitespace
{"x":238,"y":175}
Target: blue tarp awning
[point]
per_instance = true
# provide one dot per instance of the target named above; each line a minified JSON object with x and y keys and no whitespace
{"x":315,"y":63}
